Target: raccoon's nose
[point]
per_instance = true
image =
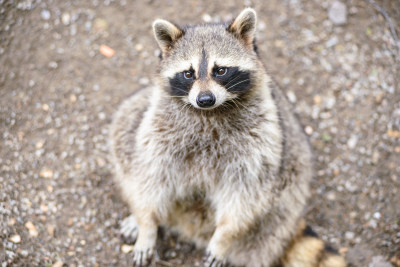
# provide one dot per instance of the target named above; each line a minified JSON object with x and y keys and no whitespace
{"x":205,"y":99}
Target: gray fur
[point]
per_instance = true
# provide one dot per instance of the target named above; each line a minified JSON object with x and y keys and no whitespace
{"x":233,"y":179}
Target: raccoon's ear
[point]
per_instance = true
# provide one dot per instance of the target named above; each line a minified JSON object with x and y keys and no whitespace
{"x":166,"y":34}
{"x":244,"y":26}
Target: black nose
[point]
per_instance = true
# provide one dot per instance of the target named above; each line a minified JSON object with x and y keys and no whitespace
{"x":205,"y":99}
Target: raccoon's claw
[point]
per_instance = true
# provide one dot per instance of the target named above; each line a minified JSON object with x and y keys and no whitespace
{"x":129,"y":229}
{"x":212,"y":261}
{"x":142,"y":258}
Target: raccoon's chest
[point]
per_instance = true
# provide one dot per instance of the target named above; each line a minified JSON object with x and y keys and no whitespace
{"x":201,"y":146}
{"x":202,"y":154}
{"x":199,"y":150}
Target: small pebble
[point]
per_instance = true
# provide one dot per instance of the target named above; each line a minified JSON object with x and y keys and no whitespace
{"x":32,"y":229}
{"x":375,"y":157}
{"x":102,"y":115}
{"x":139,"y":47}
{"x":126,"y":248}
{"x":377,"y":215}
{"x":308,"y":130}
{"x":31,"y":83}
{"x":349,"y":235}
{"x":206,"y":18}
{"x":332,"y":42}
{"x":45,"y":107}
{"x":51,"y":229}
{"x":24,"y":253}
{"x":291,"y":96}
{"x":46,"y":173}
{"x":53,"y":65}
{"x":337,"y":13}
{"x":39,"y":144}
{"x":352,"y":142}
{"x":15,"y":239}
{"x":66,"y":18}
{"x":331,"y":195}
{"x":72,"y":98}
{"x":45,"y":14}
{"x":373,"y":223}
{"x":100,"y":24}
{"x":317,"y":100}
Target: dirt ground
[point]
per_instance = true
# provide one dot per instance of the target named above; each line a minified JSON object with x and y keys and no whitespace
{"x":59,"y":89}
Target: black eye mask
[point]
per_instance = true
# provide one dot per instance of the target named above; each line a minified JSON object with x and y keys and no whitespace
{"x":234,"y":80}
{"x":180,"y":86}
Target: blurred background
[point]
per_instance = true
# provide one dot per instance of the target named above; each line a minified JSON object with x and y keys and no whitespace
{"x":66,"y":65}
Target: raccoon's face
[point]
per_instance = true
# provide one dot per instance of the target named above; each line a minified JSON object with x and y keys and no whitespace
{"x":208,"y":65}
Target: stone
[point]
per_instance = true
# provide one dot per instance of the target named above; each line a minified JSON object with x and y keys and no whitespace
{"x":337,"y":13}
{"x":379,"y":261}
{"x":45,"y":14}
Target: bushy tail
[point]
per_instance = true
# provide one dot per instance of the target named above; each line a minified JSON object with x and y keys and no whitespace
{"x":307,"y":250}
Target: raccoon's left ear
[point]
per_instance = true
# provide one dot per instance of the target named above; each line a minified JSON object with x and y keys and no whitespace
{"x":244,"y":26}
{"x":166,"y":34}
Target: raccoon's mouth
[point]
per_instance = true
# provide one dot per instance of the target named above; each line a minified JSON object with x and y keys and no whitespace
{"x":208,"y":99}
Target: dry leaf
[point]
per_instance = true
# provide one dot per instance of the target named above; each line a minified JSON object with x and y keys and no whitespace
{"x":106,"y":51}
{"x":394,"y":134}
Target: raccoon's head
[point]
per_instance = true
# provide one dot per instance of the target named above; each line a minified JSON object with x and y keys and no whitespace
{"x":208,"y":65}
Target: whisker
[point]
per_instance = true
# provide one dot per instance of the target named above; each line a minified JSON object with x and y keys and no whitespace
{"x":234,"y":102}
{"x":234,"y":79}
{"x":185,"y":105}
{"x":243,"y":106}
{"x":237,"y":84}
{"x":172,"y":96}
{"x":180,"y":89}
{"x":227,"y":105}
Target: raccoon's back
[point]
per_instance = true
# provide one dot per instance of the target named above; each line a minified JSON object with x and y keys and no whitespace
{"x":124,"y":128}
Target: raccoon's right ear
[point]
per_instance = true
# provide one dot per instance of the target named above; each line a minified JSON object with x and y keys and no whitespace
{"x":244,"y":26}
{"x":166,"y":34}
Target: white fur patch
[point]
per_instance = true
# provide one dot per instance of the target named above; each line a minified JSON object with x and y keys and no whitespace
{"x":220,"y":93}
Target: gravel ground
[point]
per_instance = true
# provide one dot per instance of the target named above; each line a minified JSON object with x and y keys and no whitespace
{"x":66,"y":65}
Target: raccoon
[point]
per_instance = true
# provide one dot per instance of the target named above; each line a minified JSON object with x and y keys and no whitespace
{"x":213,"y":152}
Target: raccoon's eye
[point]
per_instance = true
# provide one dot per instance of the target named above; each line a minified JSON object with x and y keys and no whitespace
{"x":188,"y":74}
{"x":221,"y":71}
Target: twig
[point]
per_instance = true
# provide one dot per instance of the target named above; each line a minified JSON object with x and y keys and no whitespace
{"x":389,"y":21}
{"x":163,"y":263}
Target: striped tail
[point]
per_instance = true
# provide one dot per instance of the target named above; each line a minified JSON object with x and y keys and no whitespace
{"x":307,"y":250}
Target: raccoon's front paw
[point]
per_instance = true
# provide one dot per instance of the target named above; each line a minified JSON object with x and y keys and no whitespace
{"x":211,"y":260}
{"x":142,"y":258}
{"x":129,"y":229}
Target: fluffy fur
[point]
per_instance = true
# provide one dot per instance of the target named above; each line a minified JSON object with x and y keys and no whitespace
{"x":234,"y":177}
